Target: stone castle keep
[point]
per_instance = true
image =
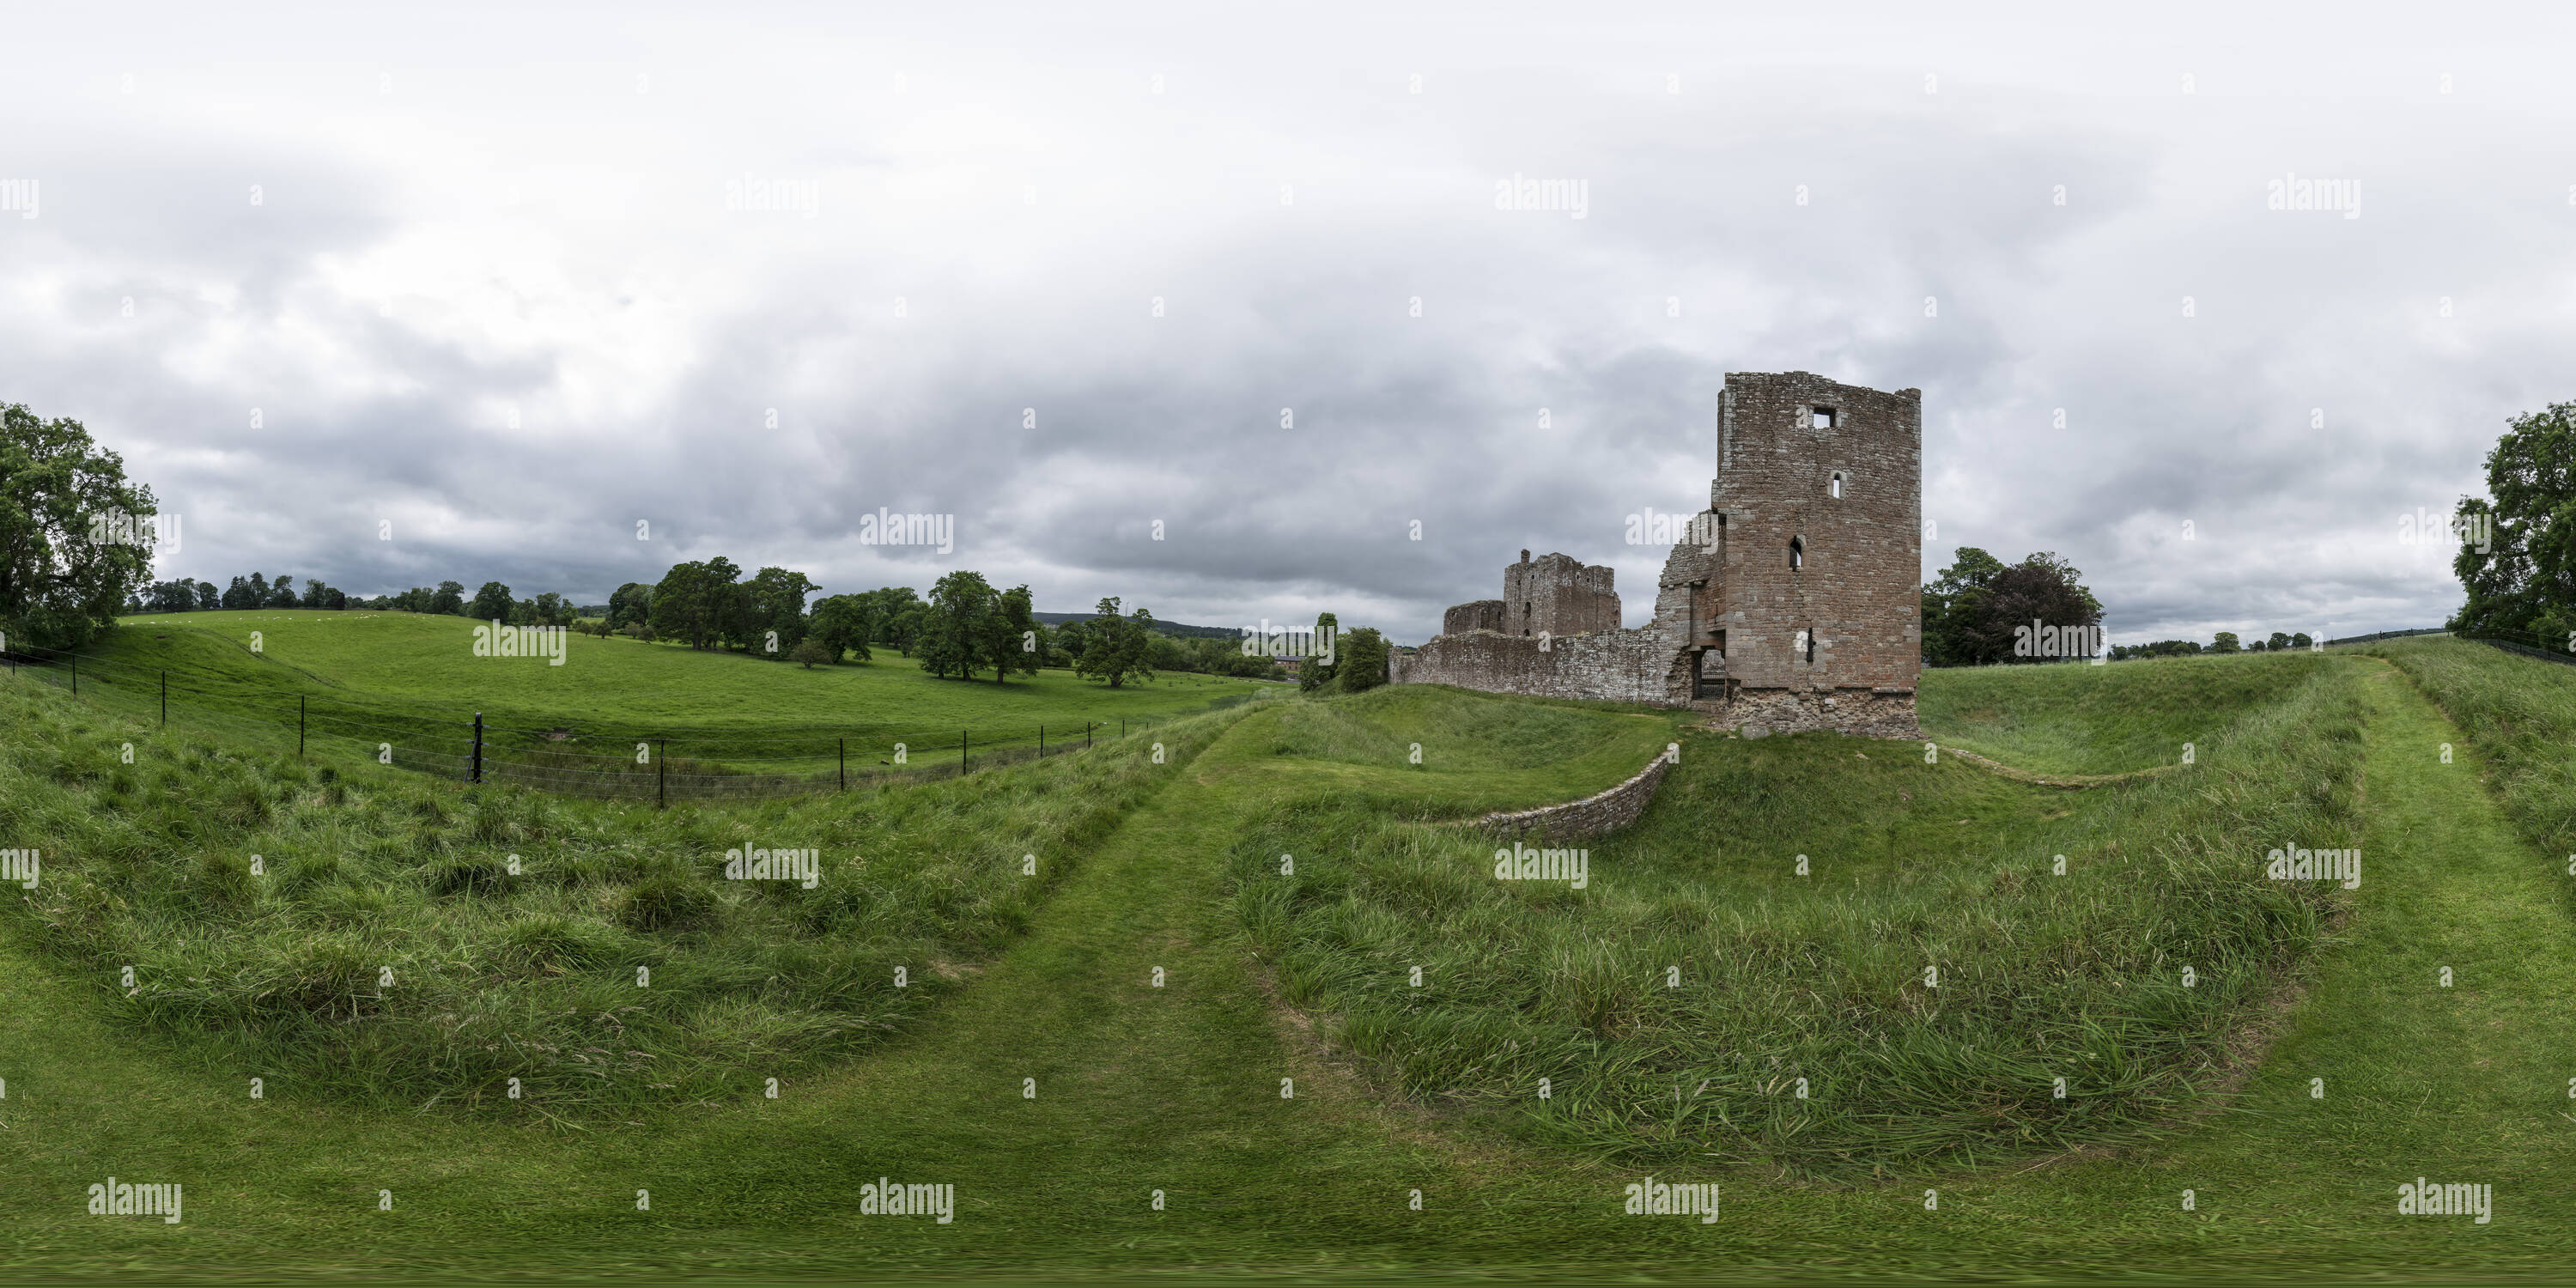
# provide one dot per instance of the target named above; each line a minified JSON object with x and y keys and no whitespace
{"x":1793,"y":602}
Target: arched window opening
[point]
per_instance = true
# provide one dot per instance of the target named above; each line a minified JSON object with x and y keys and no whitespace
{"x":1797,"y":553}
{"x":1836,"y":487}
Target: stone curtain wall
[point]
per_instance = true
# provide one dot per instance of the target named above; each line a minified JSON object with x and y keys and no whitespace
{"x":1623,"y":666}
{"x":1594,"y":815}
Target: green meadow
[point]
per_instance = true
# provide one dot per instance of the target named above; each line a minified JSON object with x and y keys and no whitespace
{"x":413,"y":679}
{"x":1191,"y":1042}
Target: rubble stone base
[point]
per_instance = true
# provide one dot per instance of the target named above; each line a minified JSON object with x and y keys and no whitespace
{"x":1852,"y":711}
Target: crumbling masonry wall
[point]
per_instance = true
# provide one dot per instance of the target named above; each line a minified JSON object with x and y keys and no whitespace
{"x":1558,"y":595}
{"x":1478,"y":615}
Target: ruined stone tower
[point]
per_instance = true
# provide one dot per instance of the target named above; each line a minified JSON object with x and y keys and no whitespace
{"x":1792,"y":602}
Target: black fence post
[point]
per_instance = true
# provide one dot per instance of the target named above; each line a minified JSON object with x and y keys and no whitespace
{"x":478,"y":746}
{"x":1086,"y":733}
{"x":1041,"y":742}
{"x":845,"y":764}
{"x":661,"y":773}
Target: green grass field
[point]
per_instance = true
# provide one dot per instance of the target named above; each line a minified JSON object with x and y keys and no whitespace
{"x":1172,"y":1057}
{"x":413,"y":680}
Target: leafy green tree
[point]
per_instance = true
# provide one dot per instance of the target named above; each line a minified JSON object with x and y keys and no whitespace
{"x":728,"y":605}
{"x":632,"y":603}
{"x":1115,"y":648}
{"x":840,"y":623}
{"x":1014,"y":634}
{"x":2041,"y":588}
{"x":684,"y":604}
{"x":2280,"y":640}
{"x":2302,"y":640}
{"x":774,"y":602}
{"x":281,"y":593}
{"x":491,"y":604}
{"x":551,"y":610}
{"x":1361,"y":664}
{"x":58,"y":588}
{"x":208,"y":600}
{"x":811,"y":651}
{"x":1316,"y":671}
{"x":896,"y":615}
{"x":448,"y":599}
{"x":958,"y":635}
{"x":1952,"y":610}
{"x":2225,"y":643}
{"x":2524,"y":579}
{"x":237,"y":596}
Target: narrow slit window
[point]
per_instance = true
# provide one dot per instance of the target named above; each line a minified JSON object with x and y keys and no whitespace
{"x":1836,"y":487}
{"x":1797,"y":553}
{"x":1811,"y":646}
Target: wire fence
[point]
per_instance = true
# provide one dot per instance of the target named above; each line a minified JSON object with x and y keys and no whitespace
{"x":2376,"y":636}
{"x":661,"y":766}
{"x":2529,"y":644}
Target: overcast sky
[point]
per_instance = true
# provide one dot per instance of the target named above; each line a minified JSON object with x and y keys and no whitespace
{"x":511,"y":281}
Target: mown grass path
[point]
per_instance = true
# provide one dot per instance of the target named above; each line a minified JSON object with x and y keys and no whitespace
{"x":1178,"y":1089}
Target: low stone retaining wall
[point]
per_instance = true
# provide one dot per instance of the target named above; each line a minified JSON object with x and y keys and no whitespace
{"x":1594,"y":815}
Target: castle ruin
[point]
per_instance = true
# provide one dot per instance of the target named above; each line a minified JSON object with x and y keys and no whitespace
{"x":1793,"y":602}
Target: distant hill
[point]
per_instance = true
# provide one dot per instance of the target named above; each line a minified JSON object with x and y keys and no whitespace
{"x":1182,"y":629}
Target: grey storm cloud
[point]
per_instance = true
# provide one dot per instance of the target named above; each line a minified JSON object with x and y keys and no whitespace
{"x":495,"y":295}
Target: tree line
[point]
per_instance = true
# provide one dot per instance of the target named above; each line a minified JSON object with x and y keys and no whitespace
{"x":965,"y":628}
{"x":1970,"y":613}
{"x":492,"y":603}
{"x":2225,"y":642}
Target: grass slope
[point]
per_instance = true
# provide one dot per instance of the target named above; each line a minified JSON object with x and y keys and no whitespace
{"x":1912,"y":997}
{"x":596,"y":954}
{"x":1176,"y":1089}
{"x":2106,"y":719}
